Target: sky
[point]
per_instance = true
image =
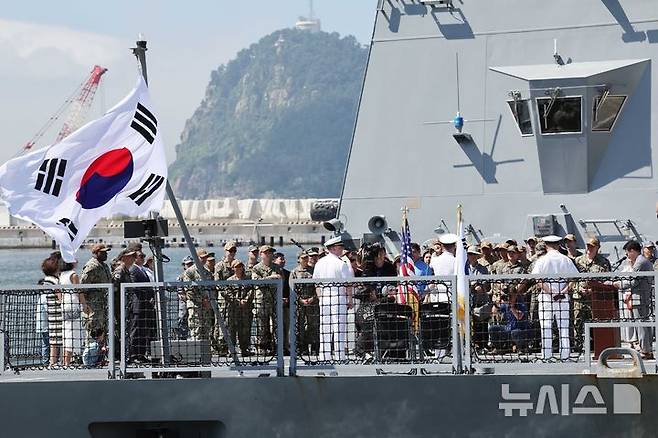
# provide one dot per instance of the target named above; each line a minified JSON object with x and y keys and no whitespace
{"x":48,"y":48}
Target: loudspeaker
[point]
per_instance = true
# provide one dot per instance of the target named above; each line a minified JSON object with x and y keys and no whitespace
{"x":333,"y":225}
{"x":378,"y":225}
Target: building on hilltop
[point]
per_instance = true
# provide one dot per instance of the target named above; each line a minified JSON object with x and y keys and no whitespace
{"x":309,"y":23}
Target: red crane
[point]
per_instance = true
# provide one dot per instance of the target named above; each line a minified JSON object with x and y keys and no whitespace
{"x":79,"y":104}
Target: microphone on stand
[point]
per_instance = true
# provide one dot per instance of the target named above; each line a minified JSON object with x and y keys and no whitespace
{"x":618,"y":264}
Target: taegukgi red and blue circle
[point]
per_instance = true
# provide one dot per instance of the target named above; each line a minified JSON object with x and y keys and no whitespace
{"x":105,"y":178}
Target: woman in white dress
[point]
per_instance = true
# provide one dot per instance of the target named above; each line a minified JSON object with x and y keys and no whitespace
{"x":72,"y":304}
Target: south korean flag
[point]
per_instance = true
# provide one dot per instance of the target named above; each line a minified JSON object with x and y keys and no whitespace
{"x":113,"y":165}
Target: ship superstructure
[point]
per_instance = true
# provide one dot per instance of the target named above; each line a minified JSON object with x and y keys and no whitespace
{"x":538,"y":118}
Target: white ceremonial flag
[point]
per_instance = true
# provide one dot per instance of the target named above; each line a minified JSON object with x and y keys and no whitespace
{"x":113,"y":165}
{"x":460,"y":269}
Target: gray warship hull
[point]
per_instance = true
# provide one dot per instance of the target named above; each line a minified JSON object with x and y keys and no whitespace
{"x":402,"y":406}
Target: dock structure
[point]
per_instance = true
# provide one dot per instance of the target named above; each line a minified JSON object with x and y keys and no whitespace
{"x":210,"y":222}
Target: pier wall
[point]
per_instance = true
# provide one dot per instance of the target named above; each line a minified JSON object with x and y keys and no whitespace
{"x":211,"y":222}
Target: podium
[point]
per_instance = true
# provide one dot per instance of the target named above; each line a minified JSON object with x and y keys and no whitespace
{"x":604,"y":307}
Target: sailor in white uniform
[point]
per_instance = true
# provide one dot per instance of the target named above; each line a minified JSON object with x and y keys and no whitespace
{"x":334,"y":301}
{"x":443,"y":265}
{"x":554,"y":296}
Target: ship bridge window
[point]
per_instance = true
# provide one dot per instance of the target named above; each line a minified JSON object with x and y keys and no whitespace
{"x":605,"y":110}
{"x":560,"y":115}
{"x":521,"y":112}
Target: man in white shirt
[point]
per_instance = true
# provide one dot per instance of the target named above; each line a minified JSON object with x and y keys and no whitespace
{"x":445,"y":263}
{"x":334,"y":301}
{"x":554,"y":296}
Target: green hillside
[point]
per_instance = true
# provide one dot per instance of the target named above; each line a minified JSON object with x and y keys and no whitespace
{"x":275,"y":122}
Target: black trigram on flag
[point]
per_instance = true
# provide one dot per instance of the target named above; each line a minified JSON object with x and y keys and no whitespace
{"x":50,"y":176}
{"x":70,"y":227}
{"x":145,"y":123}
{"x":149,"y":187}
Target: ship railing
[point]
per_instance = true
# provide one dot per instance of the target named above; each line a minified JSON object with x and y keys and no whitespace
{"x":561,"y":322}
{"x":390,"y":324}
{"x":57,"y":328}
{"x":201,"y":326}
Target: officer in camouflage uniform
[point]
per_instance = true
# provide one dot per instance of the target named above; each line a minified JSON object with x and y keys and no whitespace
{"x":96,"y":271}
{"x":591,"y":261}
{"x":313,"y":257}
{"x":199,"y":310}
{"x":264,"y":299}
{"x":532,"y":248}
{"x":497,"y":266}
{"x":514,"y":267}
{"x":223,"y":271}
{"x":308,"y":308}
{"x":533,"y":292}
{"x":181,"y":329}
{"x":571,"y":242}
{"x":524,"y":260}
{"x":480,"y":299}
{"x":497,"y":269}
{"x":121,"y":274}
{"x":252,"y":260}
{"x":488,"y":258}
{"x":239,"y":306}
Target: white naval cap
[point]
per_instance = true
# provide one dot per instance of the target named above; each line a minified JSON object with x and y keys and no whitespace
{"x":338,"y":240}
{"x":552,"y":239}
{"x":448,"y":239}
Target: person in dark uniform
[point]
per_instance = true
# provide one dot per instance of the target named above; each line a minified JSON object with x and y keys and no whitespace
{"x":141,"y":311}
{"x":308,"y":308}
{"x":121,"y":274}
{"x":280,"y":263}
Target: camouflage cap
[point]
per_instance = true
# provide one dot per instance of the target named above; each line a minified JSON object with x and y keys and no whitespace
{"x":135,"y":246}
{"x":253,"y":248}
{"x":531,"y":239}
{"x":312,"y":252}
{"x":201,"y":253}
{"x":593,"y":241}
{"x":126,"y":253}
{"x":99,"y":247}
{"x":230,"y":245}
{"x":502,"y":245}
{"x":571,"y":237}
{"x":302,"y":254}
{"x":486,"y":244}
{"x":210,"y":256}
{"x":512,"y":248}
{"x":235,"y":263}
{"x":473,"y":250}
{"x":266,"y":248}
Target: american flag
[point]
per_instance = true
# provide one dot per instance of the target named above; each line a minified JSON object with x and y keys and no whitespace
{"x":407,"y":267}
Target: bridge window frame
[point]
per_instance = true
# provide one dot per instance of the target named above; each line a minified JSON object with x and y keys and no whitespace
{"x":528,"y":105}
{"x":538,"y":101}
{"x":620,"y":108}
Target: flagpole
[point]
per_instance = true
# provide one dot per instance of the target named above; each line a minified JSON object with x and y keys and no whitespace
{"x":140,"y":53}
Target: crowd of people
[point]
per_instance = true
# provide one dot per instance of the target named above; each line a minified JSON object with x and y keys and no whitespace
{"x":516,"y":315}
{"x":524,"y":314}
